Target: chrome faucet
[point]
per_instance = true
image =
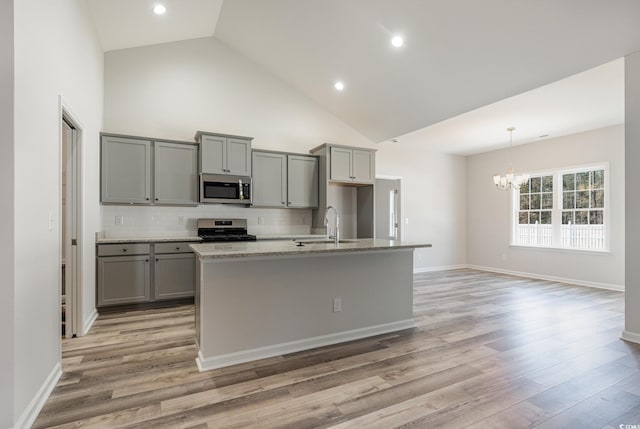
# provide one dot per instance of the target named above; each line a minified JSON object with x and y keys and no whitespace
{"x":336,"y":234}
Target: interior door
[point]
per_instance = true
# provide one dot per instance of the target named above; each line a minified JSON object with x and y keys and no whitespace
{"x":388,"y":209}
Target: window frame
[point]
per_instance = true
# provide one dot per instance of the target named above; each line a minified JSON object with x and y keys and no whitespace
{"x":557,"y":209}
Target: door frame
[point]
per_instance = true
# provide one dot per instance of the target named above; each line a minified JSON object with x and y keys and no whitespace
{"x":73,"y":265}
{"x":401,"y":204}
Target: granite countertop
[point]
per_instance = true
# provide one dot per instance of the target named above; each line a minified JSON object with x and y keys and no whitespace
{"x":283,"y":248}
{"x":121,"y":240}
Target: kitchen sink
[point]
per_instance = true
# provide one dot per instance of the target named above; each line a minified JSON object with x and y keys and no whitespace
{"x":325,"y":241}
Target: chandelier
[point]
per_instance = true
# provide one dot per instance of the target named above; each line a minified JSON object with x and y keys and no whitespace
{"x":510,"y":180}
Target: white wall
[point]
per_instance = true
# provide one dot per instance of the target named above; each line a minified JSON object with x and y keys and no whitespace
{"x":56,"y":53}
{"x":632,"y":159}
{"x":488,"y":218}
{"x":433,"y":200}
{"x":7,"y":310}
{"x":172,"y":90}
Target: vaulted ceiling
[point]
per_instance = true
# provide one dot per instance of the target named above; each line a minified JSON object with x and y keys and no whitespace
{"x":459,"y":55}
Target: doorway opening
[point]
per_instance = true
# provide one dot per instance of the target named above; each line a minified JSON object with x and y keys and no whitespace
{"x":70,"y":227}
{"x":388,"y":206}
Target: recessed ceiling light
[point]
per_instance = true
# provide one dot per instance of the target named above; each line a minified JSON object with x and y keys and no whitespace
{"x":397,"y":41}
{"x":159,"y":9}
{"x":339,"y":86}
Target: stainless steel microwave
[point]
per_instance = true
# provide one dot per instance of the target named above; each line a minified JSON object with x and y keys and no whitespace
{"x":223,"y":188}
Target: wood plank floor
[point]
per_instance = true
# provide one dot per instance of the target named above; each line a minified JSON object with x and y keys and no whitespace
{"x":489,"y":351}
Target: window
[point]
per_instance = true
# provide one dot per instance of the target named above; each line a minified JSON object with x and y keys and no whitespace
{"x":564,"y":209}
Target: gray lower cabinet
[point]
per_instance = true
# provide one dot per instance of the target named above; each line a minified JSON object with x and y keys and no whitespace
{"x":123,"y":280}
{"x":284,"y":180}
{"x":140,"y":273}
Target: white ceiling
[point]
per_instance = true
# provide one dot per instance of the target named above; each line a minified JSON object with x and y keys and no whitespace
{"x":125,"y":24}
{"x":586,"y":101}
{"x":461,"y":58}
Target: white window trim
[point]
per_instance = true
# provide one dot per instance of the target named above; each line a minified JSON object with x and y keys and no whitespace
{"x":557,"y":210}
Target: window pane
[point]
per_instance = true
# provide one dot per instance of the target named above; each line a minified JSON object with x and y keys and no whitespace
{"x":582,"y":181}
{"x":547,"y":201}
{"x":582,"y":217}
{"x":567,"y":217}
{"x":535,"y":201}
{"x":597,"y":199}
{"x":595,"y":217}
{"x":524,"y":188}
{"x":547,"y":184}
{"x":545,"y":217}
{"x":582,"y":200}
{"x":597,"y":179}
{"x":534,"y":217}
{"x":568,"y":182}
{"x":524,"y":202}
{"x":523,"y":218}
{"x":535,"y":184}
{"x":568,"y":200}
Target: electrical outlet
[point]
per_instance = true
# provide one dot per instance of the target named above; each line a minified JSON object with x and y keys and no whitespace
{"x":119,"y":220}
{"x":337,"y":305}
{"x":504,"y":256}
{"x":260,"y":220}
{"x":50,"y":223}
{"x":180,"y":220}
{"x":406,"y":221}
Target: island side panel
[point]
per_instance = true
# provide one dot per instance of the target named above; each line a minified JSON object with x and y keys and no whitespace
{"x":253,"y":308}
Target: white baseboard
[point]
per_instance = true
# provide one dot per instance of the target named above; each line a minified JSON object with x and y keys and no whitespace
{"x":35,"y":406}
{"x":208,"y":363}
{"x":630,"y":336}
{"x":440,"y":268}
{"x":86,"y":326}
{"x":597,"y":285}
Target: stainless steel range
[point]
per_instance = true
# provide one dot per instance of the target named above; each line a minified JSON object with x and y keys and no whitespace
{"x":215,"y":230}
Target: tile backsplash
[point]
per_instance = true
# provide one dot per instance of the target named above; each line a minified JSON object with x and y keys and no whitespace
{"x":152,"y":221}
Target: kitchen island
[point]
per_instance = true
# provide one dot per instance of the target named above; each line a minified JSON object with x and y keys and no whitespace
{"x":261,"y":299}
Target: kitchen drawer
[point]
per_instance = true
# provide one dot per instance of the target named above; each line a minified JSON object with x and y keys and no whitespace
{"x":123,"y":249}
{"x":173,"y":247}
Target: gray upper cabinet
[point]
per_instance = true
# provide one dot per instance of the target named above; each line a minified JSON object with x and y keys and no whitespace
{"x":176,"y":173}
{"x":302,"y":188}
{"x":363,"y":166}
{"x":352,"y":165}
{"x":142,"y":171}
{"x":269,"y":181}
{"x":341,"y":164}
{"x":126,"y":170}
{"x":221,"y":154}
{"x":284,"y":180}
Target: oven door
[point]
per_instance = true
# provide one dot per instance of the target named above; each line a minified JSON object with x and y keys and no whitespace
{"x":219,"y":188}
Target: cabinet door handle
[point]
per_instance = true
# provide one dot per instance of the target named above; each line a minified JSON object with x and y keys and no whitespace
{"x":156,"y":199}
{"x":124,"y":249}
{"x":146,"y":260}
{"x":147,"y":198}
{"x":177,"y":248}
{"x":157,"y":260}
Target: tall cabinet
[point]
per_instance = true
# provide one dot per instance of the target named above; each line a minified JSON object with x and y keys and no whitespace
{"x":346,"y":181}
